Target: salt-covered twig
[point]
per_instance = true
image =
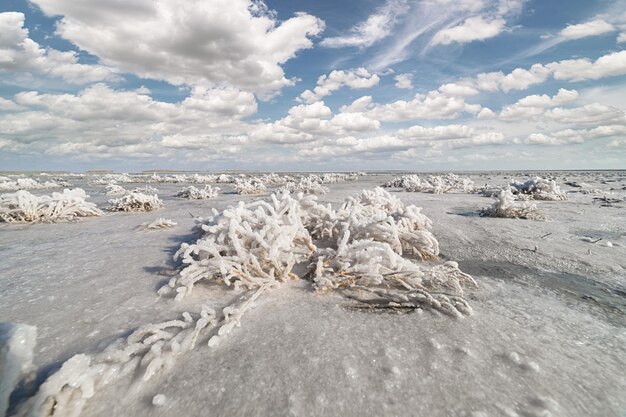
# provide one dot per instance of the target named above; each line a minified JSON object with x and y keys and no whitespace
{"x":160,"y":223}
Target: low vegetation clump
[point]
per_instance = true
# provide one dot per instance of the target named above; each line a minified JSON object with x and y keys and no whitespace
{"x":505,"y":206}
{"x":306,"y":185}
{"x":7,"y":184}
{"x":538,"y":189}
{"x":435,"y":184}
{"x":248,"y":186}
{"x":134,"y":202}
{"x":193,"y":193}
{"x":24,"y":207}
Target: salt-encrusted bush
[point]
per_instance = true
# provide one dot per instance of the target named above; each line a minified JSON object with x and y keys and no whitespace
{"x":146,"y":189}
{"x":136,"y":202}
{"x":110,"y":179}
{"x":538,"y":189}
{"x":375,"y":274}
{"x":28,"y":184}
{"x":114,"y":189}
{"x":225,"y":178}
{"x":160,"y":223}
{"x":436,"y":184}
{"x":202,"y":179}
{"x":306,"y":185}
{"x":174,"y":179}
{"x":275,"y":179}
{"x":193,"y":193}
{"x":249,"y":245}
{"x":506,"y":206}
{"x":23,"y":206}
{"x":250,"y":186}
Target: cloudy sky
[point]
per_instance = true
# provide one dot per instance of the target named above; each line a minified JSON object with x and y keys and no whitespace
{"x":312,"y":84}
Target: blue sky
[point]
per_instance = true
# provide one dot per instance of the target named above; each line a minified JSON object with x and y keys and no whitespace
{"x":312,"y":85}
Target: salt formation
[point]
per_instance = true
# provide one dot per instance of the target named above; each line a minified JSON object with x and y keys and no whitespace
{"x":22,"y":206}
{"x":306,"y":185}
{"x":436,"y":184}
{"x":110,"y":179}
{"x":249,"y":245}
{"x":505,"y":206}
{"x":250,"y":186}
{"x":136,"y":202}
{"x":114,"y":189}
{"x":160,"y":223}
{"x":538,"y":189}
{"x":193,"y":193}
{"x":17,"y":342}
{"x":256,"y":245}
{"x":28,"y":184}
{"x":150,"y":349}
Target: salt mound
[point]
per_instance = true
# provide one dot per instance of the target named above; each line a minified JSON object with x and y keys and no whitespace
{"x":22,"y":206}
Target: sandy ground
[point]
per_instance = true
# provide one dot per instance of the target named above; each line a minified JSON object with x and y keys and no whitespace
{"x":547,"y":337}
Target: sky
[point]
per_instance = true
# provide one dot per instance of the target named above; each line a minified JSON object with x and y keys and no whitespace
{"x":312,"y":85}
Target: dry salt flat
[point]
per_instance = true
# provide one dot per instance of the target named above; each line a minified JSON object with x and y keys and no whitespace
{"x":546,"y":336}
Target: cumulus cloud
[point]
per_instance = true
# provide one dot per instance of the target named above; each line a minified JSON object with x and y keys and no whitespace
{"x":434,"y":105}
{"x":535,"y":105}
{"x":403,"y":81}
{"x":583,"y":30}
{"x":102,"y":122}
{"x":359,"y":78}
{"x":609,"y":65}
{"x":19,"y":54}
{"x":591,"y":114}
{"x":236,"y":42}
{"x":567,"y":136}
{"x":376,"y":27}
{"x":472,"y":29}
{"x":612,"y":64}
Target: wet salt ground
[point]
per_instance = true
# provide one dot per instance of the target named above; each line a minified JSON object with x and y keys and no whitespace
{"x":534,"y":346}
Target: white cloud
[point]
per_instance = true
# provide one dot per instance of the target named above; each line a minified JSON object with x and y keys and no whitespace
{"x":621,"y":38}
{"x":101,"y":122}
{"x":568,"y":136}
{"x":535,"y":105}
{"x":458,"y":90}
{"x":355,"y":79}
{"x":434,"y":105}
{"x":238,"y":42}
{"x":583,"y":30}
{"x":377,"y":26}
{"x":591,"y":114}
{"x":612,"y":64}
{"x":472,"y":29}
{"x":19,"y":53}
{"x":403,"y":81}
